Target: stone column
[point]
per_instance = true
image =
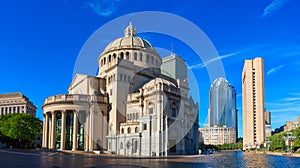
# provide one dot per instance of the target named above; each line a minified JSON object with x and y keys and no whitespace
{"x":53,"y":130}
{"x":86,"y":130}
{"x":63,"y":130}
{"x":91,"y":123}
{"x":46,"y":131}
{"x":43,"y":138}
{"x":75,"y":130}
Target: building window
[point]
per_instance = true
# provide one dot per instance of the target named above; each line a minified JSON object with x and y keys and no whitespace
{"x":135,"y":56}
{"x":148,"y":58}
{"x":150,"y":110}
{"x":122,"y":55}
{"x":128,"y":130}
{"x":152,"y":60}
{"x":174,"y":112}
{"x":141,"y":56}
{"x":18,"y":109}
{"x":127,"y":55}
{"x":110,"y":91}
{"x":109,"y":58}
{"x":136,"y":130}
{"x":121,"y":145}
{"x":122,"y":131}
{"x":144,"y":126}
{"x":121,"y":77}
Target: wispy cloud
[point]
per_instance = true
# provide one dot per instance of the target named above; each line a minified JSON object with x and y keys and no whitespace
{"x":274,"y":6}
{"x":275,"y":69}
{"x":284,"y":109}
{"x":202,"y":65}
{"x":103,"y":7}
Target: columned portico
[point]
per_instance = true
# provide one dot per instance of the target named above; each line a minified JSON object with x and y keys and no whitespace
{"x":68,"y":125}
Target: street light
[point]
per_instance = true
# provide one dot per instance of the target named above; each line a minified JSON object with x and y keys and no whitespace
{"x":267,"y":143}
{"x":290,"y":140}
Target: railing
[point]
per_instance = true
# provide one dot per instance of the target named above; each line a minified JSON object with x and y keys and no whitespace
{"x":74,"y":98}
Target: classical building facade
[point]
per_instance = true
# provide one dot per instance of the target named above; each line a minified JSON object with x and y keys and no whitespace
{"x":217,"y":135}
{"x":11,"y":103}
{"x":253,"y":100}
{"x":127,"y":109}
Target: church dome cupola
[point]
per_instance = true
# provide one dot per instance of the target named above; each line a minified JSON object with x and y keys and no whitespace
{"x":130,"y":31}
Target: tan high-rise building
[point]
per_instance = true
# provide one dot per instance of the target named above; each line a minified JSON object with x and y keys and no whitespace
{"x":253,"y":103}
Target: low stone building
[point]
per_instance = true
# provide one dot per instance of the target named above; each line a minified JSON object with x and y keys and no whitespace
{"x":218,"y":135}
{"x":11,"y":103}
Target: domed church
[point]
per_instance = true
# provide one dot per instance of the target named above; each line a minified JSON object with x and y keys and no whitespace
{"x":138,"y":104}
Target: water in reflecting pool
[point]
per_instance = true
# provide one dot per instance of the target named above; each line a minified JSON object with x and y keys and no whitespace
{"x":221,"y":159}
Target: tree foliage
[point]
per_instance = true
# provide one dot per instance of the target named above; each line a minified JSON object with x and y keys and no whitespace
{"x":278,"y":143}
{"x":231,"y":146}
{"x":19,"y":128}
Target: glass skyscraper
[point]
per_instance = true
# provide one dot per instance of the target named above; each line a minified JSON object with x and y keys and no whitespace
{"x":222,"y":110}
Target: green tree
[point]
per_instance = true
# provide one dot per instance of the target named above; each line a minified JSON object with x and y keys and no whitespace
{"x":19,"y":129}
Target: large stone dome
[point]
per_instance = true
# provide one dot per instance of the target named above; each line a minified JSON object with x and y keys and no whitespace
{"x":129,"y":40}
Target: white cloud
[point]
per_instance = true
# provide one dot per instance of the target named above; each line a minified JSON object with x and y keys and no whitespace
{"x":285,"y":109}
{"x":275,"y":69}
{"x":103,"y":7}
{"x":274,"y":6}
{"x":202,"y":65}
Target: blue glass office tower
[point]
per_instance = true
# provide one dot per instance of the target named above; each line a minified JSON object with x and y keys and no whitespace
{"x":222,"y":110}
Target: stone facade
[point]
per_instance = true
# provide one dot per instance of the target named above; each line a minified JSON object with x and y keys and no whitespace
{"x":11,"y":103}
{"x":217,"y":135}
{"x":127,"y":109}
{"x":290,"y":125}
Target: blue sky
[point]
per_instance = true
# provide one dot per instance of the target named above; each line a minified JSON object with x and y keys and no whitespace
{"x":40,"y":41}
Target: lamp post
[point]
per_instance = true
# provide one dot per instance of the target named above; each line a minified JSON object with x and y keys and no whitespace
{"x":290,"y":141}
{"x":267,"y":144}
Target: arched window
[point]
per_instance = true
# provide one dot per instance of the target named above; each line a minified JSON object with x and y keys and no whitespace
{"x":122,"y":131}
{"x":127,"y":55}
{"x":125,"y":77}
{"x":152,"y":60}
{"x":156,"y":62}
{"x":121,"y":145}
{"x":148,"y":58}
{"x":135,"y":56}
{"x":121,"y":77}
{"x":104,"y":60}
{"x":109,"y":58}
{"x":114,"y":55}
{"x":128,"y":130}
{"x":122,"y":55}
{"x":128,"y":79}
{"x":136,"y":130}
{"x":141,"y":56}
